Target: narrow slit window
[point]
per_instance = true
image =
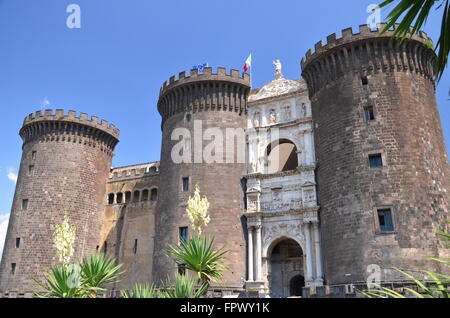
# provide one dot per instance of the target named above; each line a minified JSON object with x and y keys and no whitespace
{"x":135,"y":246}
{"x":185,"y":184}
{"x":183,"y":234}
{"x":17,"y":242}
{"x":33,"y":155}
{"x":369,"y":114}
{"x":24,"y":204}
{"x":13,"y":268}
{"x":364,"y":80}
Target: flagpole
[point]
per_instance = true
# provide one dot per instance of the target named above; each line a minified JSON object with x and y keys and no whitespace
{"x":251,"y":75}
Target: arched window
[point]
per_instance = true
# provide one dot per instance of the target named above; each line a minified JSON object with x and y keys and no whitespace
{"x":144,"y":195}
{"x":154,"y":194}
{"x":119,"y":197}
{"x":111,"y":198}
{"x":127,"y":196}
{"x":282,"y":156}
{"x":136,"y":195}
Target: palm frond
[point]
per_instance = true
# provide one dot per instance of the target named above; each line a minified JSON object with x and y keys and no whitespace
{"x":98,"y":270}
{"x":199,"y":256}
{"x":141,"y":291}
{"x":415,"y":14}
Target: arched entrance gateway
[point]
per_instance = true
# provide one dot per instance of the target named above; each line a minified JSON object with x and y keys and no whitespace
{"x":286,"y":269}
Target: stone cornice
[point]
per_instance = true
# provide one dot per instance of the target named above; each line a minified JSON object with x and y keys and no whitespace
{"x":297,"y":171}
{"x":276,"y":98}
{"x":305,"y":120}
{"x":258,"y":215}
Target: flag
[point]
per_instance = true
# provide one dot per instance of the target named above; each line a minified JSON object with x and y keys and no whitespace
{"x":248,"y":63}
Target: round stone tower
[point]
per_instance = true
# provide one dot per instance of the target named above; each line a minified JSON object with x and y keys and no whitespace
{"x":65,"y":165}
{"x":382,"y":163}
{"x":197,"y":110}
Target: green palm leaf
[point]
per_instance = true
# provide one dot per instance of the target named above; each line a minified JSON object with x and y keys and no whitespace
{"x":98,"y":270}
{"x":199,"y":256}
{"x":185,"y":287}
{"x":141,"y":291}
{"x":415,"y":13}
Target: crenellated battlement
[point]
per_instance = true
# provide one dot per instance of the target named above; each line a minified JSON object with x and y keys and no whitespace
{"x":134,"y":171}
{"x":365,"y":53}
{"x":348,"y":36}
{"x":206,"y":75}
{"x":220,"y":91}
{"x":71,"y":116}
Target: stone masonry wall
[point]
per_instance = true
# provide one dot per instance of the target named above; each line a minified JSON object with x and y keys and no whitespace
{"x":71,"y":158}
{"x":413,"y":181}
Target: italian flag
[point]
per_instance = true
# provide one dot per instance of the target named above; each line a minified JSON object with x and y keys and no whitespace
{"x":248,"y":63}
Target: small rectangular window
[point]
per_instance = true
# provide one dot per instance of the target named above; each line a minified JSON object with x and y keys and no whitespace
{"x":135,"y":246}
{"x":33,"y":155}
{"x":368,"y":113}
{"x":31,"y":170}
{"x":375,"y":160}
{"x":385,"y":220}
{"x":13,"y":268}
{"x":364,"y":80}
{"x":183,"y":234}
{"x":185,"y":184}
{"x":17,"y":242}
{"x":24,"y":204}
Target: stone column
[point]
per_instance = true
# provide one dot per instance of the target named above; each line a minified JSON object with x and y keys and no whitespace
{"x":309,"y":264}
{"x":319,"y":275}
{"x":258,"y":254}
{"x":308,"y":147}
{"x":250,"y":254}
{"x":300,"y":158}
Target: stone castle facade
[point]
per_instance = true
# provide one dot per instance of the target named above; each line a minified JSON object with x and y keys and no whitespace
{"x":345,"y":176}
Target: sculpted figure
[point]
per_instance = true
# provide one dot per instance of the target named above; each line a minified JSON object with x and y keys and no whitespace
{"x":304,"y":110}
{"x":256,"y":120}
{"x":287,"y":113}
{"x":272,"y":117}
{"x":278,"y":73}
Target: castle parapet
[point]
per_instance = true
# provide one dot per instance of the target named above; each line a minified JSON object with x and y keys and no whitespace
{"x":58,"y":126}
{"x":367,"y":52}
{"x":204,"y":91}
{"x":71,"y":116}
{"x":134,"y":171}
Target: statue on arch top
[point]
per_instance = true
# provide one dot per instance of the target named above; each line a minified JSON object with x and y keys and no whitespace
{"x":278,"y":73}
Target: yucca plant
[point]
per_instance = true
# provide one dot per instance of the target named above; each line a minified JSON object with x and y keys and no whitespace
{"x":199,"y":256}
{"x":415,"y":14}
{"x":80,"y":280}
{"x":141,"y":291}
{"x":97,"y":271}
{"x":63,"y":281}
{"x":185,"y":287}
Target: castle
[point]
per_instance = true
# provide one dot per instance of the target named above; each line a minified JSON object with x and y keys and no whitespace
{"x":345,"y":175}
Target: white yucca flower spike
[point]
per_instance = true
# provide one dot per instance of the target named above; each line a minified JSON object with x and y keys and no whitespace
{"x":197,"y":211}
{"x":63,"y":238}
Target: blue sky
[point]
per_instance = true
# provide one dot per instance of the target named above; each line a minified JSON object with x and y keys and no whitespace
{"x":114,"y":65}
